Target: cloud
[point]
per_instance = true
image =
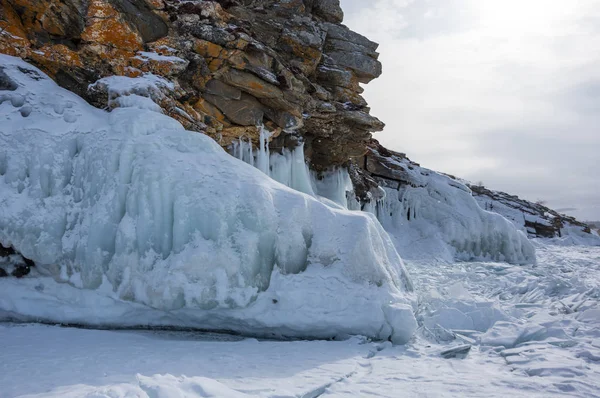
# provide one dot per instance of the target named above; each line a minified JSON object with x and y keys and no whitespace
{"x":504,"y":92}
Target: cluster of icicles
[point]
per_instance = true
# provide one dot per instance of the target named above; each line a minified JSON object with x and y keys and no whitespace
{"x":290,"y":169}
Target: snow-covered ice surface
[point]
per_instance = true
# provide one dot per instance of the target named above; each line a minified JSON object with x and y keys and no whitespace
{"x":534,"y":331}
{"x":133,"y":219}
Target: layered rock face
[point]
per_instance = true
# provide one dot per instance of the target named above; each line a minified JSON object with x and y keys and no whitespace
{"x":229,"y":66}
{"x":536,"y":219}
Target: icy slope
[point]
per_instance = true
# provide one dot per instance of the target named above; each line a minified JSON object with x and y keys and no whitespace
{"x":536,"y":219}
{"x":131,"y":205}
{"x":430,"y":215}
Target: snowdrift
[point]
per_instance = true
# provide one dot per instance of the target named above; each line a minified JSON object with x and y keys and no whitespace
{"x":130,"y":206}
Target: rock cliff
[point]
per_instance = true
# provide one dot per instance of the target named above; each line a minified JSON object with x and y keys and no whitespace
{"x":538,"y":220}
{"x":287,"y":72}
{"x":229,"y":66}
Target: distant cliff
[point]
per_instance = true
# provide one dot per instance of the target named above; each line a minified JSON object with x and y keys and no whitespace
{"x":538,"y":220}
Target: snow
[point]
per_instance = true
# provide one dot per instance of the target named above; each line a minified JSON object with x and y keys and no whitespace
{"x":146,"y":55}
{"x":140,"y":92}
{"x":127,"y":213}
{"x":543,"y":341}
{"x":436,"y":217}
{"x":135,"y":223}
{"x":519,"y":211}
{"x":574,"y":236}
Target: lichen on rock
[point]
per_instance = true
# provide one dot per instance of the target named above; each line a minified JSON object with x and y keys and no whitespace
{"x":291,"y":64}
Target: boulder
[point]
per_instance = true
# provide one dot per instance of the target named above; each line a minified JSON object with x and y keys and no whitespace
{"x":343,"y":33}
{"x":329,"y":10}
{"x":365,"y":67}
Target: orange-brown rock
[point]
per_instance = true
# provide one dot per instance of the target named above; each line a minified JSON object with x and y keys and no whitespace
{"x":212,"y":115}
{"x":285,"y":65}
{"x":13,"y":36}
{"x":107,"y":26}
{"x":53,"y":58}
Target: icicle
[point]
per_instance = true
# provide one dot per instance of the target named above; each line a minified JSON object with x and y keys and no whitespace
{"x":289,"y":168}
{"x":333,"y":186}
{"x":299,"y":172}
{"x":263,"y":151}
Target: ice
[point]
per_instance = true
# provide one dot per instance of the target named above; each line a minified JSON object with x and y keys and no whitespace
{"x":434,"y":217}
{"x":262,"y":162}
{"x":334,"y":185}
{"x":133,"y":207}
{"x":287,"y":167}
{"x":440,"y":219}
{"x":574,"y":236}
{"x":554,"y":352}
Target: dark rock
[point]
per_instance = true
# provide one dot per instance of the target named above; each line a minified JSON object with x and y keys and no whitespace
{"x":363,"y":120}
{"x":3,"y":273}
{"x":365,"y":67}
{"x":20,"y":271}
{"x":6,"y":251}
{"x":251,"y":84}
{"x":341,"y":32}
{"x":150,"y":25}
{"x":61,"y":23}
{"x":76,"y":80}
{"x":332,"y":45}
{"x":28,"y":262}
{"x":334,"y":76}
{"x":246,"y":111}
{"x":329,"y":10}
{"x":6,"y":83}
{"x":538,"y":220}
{"x":213,"y":34}
{"x":284,"y":119}
{"x":217,"y":87}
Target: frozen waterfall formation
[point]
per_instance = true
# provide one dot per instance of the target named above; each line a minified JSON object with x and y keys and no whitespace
{"x":427,"y":214}
{"x":132,"y":206}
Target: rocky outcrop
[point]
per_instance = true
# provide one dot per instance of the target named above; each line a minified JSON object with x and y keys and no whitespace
{"x":13,"y":264}
{"x":536,"y":219}
{"x":233,"y":64}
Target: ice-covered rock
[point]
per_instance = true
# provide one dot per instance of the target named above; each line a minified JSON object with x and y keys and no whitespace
{"x":429,"y":214}
{"x":536,"y":219}
{"x":131,"y":205}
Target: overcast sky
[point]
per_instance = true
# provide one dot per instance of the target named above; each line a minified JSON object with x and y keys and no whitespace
{"x":501,"y":91}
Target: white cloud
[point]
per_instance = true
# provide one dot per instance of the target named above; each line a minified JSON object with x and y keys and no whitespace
{"x":503,"y":91}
